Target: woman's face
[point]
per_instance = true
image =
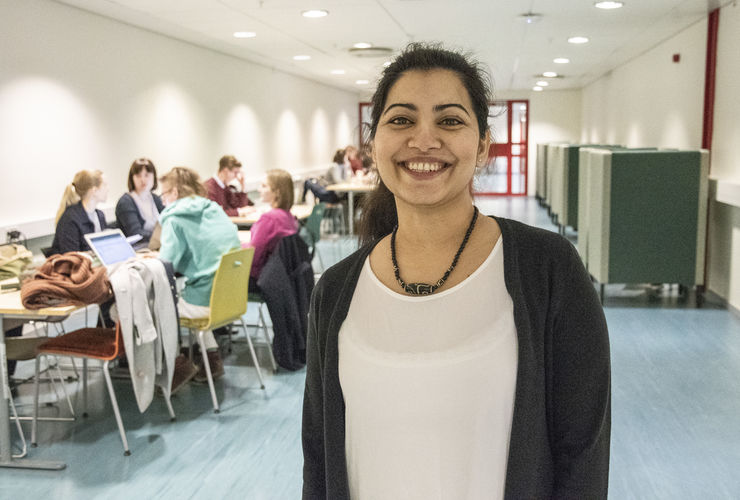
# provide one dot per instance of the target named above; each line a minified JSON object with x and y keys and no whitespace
{"x":267,"y":195}
{"x":101,"y":192}
{"x":143,"y":181}
{"x":427,"y":145}
{"x":169,"y":193}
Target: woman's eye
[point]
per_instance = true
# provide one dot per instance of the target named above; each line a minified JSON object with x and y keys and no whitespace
{"x":451,"y":122}
{"x":399,"y":120}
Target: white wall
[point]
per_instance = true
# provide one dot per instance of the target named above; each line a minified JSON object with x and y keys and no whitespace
{"x":651,"y":101}
{"x":554,"y":116}
{"x":724,"y":251}
{"x":80,"y":91}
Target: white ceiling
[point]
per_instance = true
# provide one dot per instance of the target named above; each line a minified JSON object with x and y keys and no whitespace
{"x":515,"y":51}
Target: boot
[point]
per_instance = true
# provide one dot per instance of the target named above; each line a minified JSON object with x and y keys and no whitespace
{"x":216,"y":364}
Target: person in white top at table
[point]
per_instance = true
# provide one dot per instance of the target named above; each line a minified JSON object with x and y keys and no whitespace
{"x":453,"y":355}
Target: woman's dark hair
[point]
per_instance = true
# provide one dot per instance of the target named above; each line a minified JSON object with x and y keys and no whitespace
{"x":379,"y":208}
{"x":137,"y":166}
{"x":339,"y":156}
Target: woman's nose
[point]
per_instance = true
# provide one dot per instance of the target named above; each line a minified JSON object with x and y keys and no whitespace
{"x":424,"y":137}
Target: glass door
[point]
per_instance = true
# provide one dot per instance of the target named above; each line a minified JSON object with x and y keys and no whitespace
{"x":505,"y":172}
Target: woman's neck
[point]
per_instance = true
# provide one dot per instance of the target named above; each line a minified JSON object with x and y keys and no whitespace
{"x":89,"y":204}
{"x":422,"y":227}
{"x":141,"y":192}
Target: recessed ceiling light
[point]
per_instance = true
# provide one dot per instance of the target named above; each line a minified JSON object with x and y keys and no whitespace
{"x":537,"y":89}
{"x":315,"y":13}
{"x":542,"y":83}
{"x":561,"y":60}
{"x":609,"y":5}
{"x":550,"y":74}
{"x":301,"y":58}
{"x":578,"y":39}
{"x":337,"y":72}
{"x":362,"y":45}
{"x":362,"y":82}
{"x":244,"y":34}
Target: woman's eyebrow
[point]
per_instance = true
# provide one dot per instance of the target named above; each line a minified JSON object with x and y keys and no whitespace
{"x":401,"y":105}
{"x":442,"y":107}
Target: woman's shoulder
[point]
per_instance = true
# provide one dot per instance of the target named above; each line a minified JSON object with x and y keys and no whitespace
{"x":346,"y":270}
{"x":530,"y":238}
{"x":73,"y":213}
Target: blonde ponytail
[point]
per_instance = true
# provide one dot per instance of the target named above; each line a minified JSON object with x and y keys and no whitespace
{"x":83,"y":182}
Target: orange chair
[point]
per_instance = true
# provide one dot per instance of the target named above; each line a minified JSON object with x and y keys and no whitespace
{"x":104,"y":344}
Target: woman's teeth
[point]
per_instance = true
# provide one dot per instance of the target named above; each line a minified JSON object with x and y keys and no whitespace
{"x":424,"y":167}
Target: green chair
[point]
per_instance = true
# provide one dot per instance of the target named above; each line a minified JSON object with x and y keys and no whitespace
{"x":311,"y":231}
{"x":227,"y":305}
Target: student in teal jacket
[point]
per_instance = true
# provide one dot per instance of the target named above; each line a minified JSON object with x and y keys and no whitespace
{"x":195,"y":234}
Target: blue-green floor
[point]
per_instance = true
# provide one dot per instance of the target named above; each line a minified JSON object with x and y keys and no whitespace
{"x":675,"y":413}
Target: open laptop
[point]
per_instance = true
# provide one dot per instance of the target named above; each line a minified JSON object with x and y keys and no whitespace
{"x":110,"y":246}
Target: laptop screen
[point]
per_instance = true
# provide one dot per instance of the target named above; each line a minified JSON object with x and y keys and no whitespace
{"x":111,"y":247}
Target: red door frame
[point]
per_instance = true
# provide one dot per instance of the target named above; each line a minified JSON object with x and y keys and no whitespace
{"x":503,"y":149}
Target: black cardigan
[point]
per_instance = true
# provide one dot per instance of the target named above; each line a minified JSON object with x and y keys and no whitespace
{"x":559,"y":445}
{"x":130,"y":219}
{"x":71,"y":229}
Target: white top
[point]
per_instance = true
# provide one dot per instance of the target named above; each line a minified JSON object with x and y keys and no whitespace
{"x":93,"y":216}
{"x":428,"y":384}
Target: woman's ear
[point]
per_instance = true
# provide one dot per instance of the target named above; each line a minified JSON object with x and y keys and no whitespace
{"x":483,"y":147}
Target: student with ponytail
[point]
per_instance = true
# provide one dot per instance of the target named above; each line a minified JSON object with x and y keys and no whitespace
{"x":78,"y":214}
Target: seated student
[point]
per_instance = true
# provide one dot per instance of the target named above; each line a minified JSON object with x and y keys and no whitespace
{"x":78,"y":215}
{"x":195,"y":233}
{"x":220,"y":191}
{"x":338,"y":172}
{"x":138,"y":210}
{"x":354,"y":160}
{"x":277,"y":191}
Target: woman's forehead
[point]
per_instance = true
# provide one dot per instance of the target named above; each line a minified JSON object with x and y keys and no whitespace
{"x":430,"y":87}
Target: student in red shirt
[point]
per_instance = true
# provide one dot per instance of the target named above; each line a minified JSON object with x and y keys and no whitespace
{"x":219,"y":189}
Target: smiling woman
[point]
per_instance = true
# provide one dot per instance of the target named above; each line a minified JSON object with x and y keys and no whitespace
{"x":453,"y":355}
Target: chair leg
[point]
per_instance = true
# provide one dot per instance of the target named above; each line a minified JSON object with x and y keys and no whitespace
{"x":20,"y":429}
{"x":116,"y":411}
{"x":64,"y":389}
{"x":34,"y":423}
{"x":207,"y":364}
{"x":254,"y":356}
{"x":84,"y":387}
{"x":263,"y":327}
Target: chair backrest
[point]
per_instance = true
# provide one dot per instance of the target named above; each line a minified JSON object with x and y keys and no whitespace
{"x":313,"y":223}
{"x":230,"y":285}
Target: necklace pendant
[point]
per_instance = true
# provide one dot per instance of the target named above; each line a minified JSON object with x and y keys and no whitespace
{"x":419,"y":288}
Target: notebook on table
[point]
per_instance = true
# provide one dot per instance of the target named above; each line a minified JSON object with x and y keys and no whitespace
{"x":110,"y":246}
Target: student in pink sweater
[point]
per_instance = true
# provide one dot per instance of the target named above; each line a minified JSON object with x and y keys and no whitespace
{"x":277,"y":191}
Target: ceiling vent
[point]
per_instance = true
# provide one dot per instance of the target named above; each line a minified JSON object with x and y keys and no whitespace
{"x":371,"y":52}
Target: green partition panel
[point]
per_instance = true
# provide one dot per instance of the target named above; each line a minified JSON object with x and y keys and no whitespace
{"x":649,"y":221}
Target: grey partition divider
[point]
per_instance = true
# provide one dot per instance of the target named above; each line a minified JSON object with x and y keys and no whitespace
{"x":647,"y":216}
{"x":541,"y":178}
{"x":553,"y":160}
{"x":582,"y":204}
{"x":565,"y":175}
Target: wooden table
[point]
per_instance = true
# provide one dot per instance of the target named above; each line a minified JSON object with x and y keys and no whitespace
{"x":11,"y":307}
{"x":351,"y":188}
{"x":301,"y":212}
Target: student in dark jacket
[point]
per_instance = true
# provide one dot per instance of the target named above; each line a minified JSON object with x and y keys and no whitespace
{"x":78,"y":214}
{"x":138,"y":210}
